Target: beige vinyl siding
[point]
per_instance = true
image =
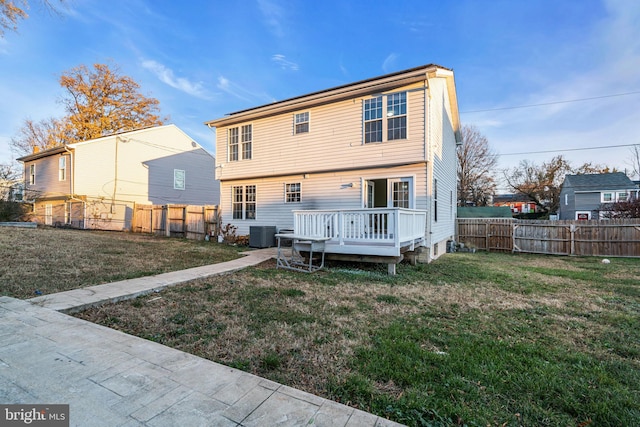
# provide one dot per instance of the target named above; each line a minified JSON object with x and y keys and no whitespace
{"x":145,"y":168}
{"x":47,"y":179}
{"x":444,"y":161}
{"x":334,"y":142}
{"x":318,"y":191}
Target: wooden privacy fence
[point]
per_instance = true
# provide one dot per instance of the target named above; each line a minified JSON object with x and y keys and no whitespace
{"x":189,"y":221}
{"x":614,"y":238}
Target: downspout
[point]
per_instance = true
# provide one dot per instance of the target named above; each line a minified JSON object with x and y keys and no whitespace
{"x":72,"y":189}
{"x":428,"y":171}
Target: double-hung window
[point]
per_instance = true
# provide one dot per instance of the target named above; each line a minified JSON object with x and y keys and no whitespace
{"x":62,"y":168}
{"x":292,"y":193}
{"x":243,"y":203}
{"x":247,"y":138}
{"x":240,"y":141}
{"x":301,"y":122}
{"x":607,"y":197}
{"x":32,"y":174}
{"x":394,"y":126}
{"x":233,"y":145}
{"x":373,"y":120}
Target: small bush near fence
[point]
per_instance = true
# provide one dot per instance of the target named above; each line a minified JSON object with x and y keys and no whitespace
{"x":584,"y":238}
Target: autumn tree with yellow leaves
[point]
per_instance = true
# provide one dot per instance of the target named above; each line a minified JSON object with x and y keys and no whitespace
{"x":98,"y":102}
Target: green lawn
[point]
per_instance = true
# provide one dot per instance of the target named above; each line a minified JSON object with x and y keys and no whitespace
{"x":48,"y":260}
{"x":471,"y":339}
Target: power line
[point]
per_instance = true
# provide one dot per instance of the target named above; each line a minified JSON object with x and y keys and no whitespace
{"x":568,"y":149}
{"x":551,"y":103}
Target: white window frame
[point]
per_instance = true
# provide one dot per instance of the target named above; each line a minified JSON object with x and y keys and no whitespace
{"x":240,"y":143}
{"x":396,"y":105}
{"x":247,"y":202}
{"x":301,"y":123}
{"x":622,"y":199}
{"x":62,"y":168}
{"x":611,"y":197}
{"x":32,"y":174}
{"x":293,"y":192}
{"x":233,"y":144}
{"x":246,"y":141}
{"x":179,"y":179}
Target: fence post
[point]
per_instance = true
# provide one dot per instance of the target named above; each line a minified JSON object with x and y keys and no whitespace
{"x":572,"y":234}
{"x":487,"y":229}
{"x":167,"y":221}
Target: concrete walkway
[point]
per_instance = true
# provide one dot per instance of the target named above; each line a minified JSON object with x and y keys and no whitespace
{"x":80,"y":299}
{"x":113,"y":379}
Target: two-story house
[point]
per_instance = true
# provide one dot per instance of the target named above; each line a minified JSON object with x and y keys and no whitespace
{"x":582,"y":196}
{"x":371,"y":164}
{"x":95,"y":184}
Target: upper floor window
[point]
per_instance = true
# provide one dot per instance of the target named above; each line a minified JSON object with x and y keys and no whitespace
{"x":394,"y":126}
{"x":397,"y":116}
{"x":240,"y":143}
{"x":62,"y":168}
{"x":607,"y":197}
{"x":301,"y":122}
{"x":292,"y":193}
{"x":179,"y":179}
{"x":233,"y":144}
{"x":373,"y":119}
{"x":32,"y":174}
{"x":247,"y":138}
{"x":623,"y":196}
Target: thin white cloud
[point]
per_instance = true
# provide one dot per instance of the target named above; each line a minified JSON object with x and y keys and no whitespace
{"x":285,"y":64}
{"x":273,"y":15}
{"x":237,"y":91}
{"x":389,"y":63}
{"x":167,"y":76}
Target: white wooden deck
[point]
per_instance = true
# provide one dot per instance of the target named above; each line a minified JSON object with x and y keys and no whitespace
{"x":373,"y":232}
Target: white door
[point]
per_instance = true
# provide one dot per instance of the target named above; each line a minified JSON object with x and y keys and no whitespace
{"x":370,"y":198}
{"x":48,"y":214}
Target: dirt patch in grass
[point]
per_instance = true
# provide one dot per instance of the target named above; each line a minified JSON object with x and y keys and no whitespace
{"x":466,"y":339}
{"x":48,"y":260}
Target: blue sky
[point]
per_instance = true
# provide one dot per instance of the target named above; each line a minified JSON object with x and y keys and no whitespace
{"x":202,"y":59}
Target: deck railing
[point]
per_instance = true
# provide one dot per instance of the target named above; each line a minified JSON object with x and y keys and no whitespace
{"x":378,"y":226}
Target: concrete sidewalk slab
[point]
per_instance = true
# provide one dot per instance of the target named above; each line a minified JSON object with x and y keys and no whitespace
{"x":113,"y":379}
{"x":80,"y":299}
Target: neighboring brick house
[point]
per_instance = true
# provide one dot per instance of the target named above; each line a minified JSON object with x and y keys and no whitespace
{"x":96,"y":183}
{"x":518,"y":203}
{"x":582,"y":196}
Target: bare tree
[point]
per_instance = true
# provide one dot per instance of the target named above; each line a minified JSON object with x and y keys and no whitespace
{"x":622,"y":209}
{"x":634,"y":161}
{"x":542,"y":183}
{"x":476,"y":168}
{"x":12,"y":11}
{"x":99,"y":102}
{"x":34,"y":136}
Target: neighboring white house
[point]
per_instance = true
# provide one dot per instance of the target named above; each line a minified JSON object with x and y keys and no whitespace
{"x":95,"y":183}
{"x":371,"y":164}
